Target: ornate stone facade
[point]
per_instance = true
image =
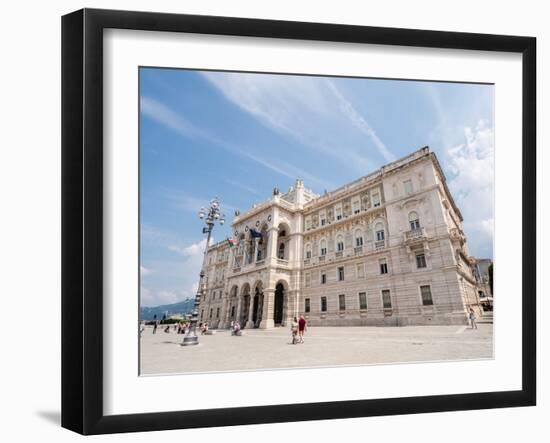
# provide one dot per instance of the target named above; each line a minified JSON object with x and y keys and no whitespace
{"x":386,"y":249}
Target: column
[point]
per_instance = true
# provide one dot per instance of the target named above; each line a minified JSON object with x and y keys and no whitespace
{"x":267,"y":309}
{"x":271,"y":250}
{"x":223,"y":314}
{"x":238,"y":310}
{"x":250,"y":322}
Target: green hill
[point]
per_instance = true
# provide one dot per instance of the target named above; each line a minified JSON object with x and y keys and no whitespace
{"x":149,"y":312}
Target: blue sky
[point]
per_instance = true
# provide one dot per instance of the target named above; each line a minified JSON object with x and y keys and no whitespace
{"x":237,"y":135}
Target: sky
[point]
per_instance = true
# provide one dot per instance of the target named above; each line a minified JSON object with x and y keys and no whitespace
{"x":235,"y":136}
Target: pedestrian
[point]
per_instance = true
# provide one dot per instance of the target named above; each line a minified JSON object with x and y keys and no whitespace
{"x":236,"y":328}
{"x":473,"y":318}
{"x":294,"y":330}
{"x":301,"y":327}
{"x":155,"y":325}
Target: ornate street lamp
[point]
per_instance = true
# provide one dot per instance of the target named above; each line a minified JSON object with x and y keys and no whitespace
{"x":210,"y":216}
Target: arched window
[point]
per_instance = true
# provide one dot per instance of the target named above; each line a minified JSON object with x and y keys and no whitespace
{"x":358,"y":237}
{"x":339,"y":242}
{"x":281,"y":251}
{"x":379,"y":230}
{"x":308,"y":250}
{"x":414,"y":222}
{"x":323,"y":247}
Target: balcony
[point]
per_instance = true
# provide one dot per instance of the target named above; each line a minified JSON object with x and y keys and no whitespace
{"x":322,"y":258}
{"x":339,"y":254}
{"x":260,"y":262}
{"x":236,"y":269}
{"x":282,"y":261}
{"x":380,"y":244}
{"x":414,"y":236}
{"x":358,"y":250}
{"x":307,"y":261}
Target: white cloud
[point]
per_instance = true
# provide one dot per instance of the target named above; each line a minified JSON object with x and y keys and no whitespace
{"x":471,"y":168}
{"x":305,"y":108}
{"x":151,"y":297}
{"x":144,"y":271}
{"x":165,"y":116}
{"x":162,"y":114}
{"x":242,"y":186}
{"x":359,"y":122}
{"x":191,"y":250}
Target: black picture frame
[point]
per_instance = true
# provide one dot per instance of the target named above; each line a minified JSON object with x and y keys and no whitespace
{"x":82,"y":218}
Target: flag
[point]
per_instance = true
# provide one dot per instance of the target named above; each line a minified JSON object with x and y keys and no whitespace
{"x":233,"y":242}
{"x":255,"y":234}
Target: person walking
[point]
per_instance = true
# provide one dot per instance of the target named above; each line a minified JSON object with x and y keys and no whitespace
{"x":155,"y":325}
{"x":472,"y":316}
{"x":301,"y":328}
{"x":294,"y":330}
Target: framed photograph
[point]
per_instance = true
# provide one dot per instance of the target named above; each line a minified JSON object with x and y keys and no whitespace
{"x":269,"y":221}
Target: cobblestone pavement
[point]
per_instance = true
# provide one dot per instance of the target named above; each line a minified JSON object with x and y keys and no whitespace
{"x":161,"y":353}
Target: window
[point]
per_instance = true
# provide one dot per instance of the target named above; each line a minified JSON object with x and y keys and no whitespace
{"x":308,"y":279}
{"x":340,"y":243}
{"x":211,"y":311}
{"x":323,"y":304}
{"x":323,"y":247}
{"x":414,"y":222}
{"x":362,"y":300}
{"x":323,"y":277}
{"x":338,"y":212}
{"x":308,"y":223}
{"x":376,"y":199}
{"x":383,"y":266}
{"x":379,"y":229}
{"x":386,"y":298}
{"x":356,"y":205}
{"x":202,"y":313}
{"x":341,"y":273}
{"x":360,"y":270}
{"x":408,"y":186}
{"x":342,"y":302}
{"x":322,"y":218}
{"x":358,"y":237}
{"x":307,"y":306}
{"x":308,"y":250}
{"x":232,"y":311}
{"x":426,"y":292}
{"x":420,"y":260}
{"x":218,"y":313}
{"x":281,"y":252}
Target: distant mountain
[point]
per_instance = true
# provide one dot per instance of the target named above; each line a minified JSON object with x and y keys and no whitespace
{"x":182,"y":307}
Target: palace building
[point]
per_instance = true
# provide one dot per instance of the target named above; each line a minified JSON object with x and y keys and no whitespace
{"x":386,"y":249}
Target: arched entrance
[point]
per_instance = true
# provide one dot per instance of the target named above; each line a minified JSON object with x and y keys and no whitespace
{"x":279,"y":304}
{"x":245,"y":304}
{"x":257,"y":305}
{"x":232,"y":307}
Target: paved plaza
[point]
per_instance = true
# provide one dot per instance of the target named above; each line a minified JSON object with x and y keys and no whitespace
{"x":161,"y":353}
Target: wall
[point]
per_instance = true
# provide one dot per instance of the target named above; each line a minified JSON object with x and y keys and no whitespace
{"x":30,"y":222}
